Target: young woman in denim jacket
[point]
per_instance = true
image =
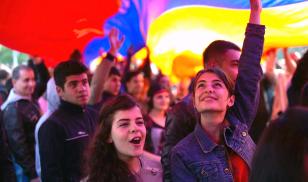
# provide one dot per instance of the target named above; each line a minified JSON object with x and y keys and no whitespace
{"x":220,"y":148}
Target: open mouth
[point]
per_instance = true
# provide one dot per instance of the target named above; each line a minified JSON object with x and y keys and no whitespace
{"x":135,"y":140}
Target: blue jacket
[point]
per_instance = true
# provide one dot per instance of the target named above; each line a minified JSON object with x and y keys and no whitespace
{"x":197,"y":157}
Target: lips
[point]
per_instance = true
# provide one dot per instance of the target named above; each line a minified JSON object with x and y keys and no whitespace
{"x":208,"y":98}
{"x":135,"y":140}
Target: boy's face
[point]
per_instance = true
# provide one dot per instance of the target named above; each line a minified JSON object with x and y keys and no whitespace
{"x":76,"y":89}
{"x":229,"y":63}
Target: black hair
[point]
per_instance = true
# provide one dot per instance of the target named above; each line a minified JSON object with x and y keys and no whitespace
{"x":282,"y":148}
{"x":114,"y":71}
{"x":304,"y":96}
{"x":3,"y":74}
{"x":216,"y":49}
{"x":68,"y":68}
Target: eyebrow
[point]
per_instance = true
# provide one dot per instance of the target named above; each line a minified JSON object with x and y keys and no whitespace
{"x":126,"y":119}
{"x":216,"y":80}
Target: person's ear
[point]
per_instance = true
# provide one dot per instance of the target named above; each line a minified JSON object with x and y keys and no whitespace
{"x":231,"y":101}
{"x":60,"y":91}
{"x":14,"y":82}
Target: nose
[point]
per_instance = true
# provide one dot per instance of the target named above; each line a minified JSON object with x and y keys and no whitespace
{"x":209,"y":89}
{"x":133,"y":128}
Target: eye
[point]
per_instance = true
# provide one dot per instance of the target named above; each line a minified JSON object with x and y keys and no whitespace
{"x":123,"y":125}
{"x":217,"y":85}
{"x":140,"y":122}
{"x":201,"y":85}
{"x":84,"y":82}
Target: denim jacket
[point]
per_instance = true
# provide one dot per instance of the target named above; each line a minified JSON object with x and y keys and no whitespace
{"x":197,"y":157}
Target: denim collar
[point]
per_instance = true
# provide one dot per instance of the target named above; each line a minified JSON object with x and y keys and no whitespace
{"x":206,"y":144}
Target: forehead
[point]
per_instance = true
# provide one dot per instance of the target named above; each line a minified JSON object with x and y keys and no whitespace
{"x":231,"y":55}
{"x":25,"y":73}
{"x":138,"y":77}
{"x":76,"y":77}
{"x":132,"y":113}
{"x":208,"y":77}
{"x":161,"y":92}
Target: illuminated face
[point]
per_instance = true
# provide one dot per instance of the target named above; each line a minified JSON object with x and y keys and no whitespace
{"x":113,"y":84}
{"x":161,"y":100}
{"x":25,"y":84}
{"x":128,"y":133}
{"x":135,"y":85}
{"x":230,"y":62}
{"x":76,"y":89}
{"x":211,"y":94}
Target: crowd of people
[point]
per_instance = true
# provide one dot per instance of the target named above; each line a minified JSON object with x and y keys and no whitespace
{"x":122,"y":124}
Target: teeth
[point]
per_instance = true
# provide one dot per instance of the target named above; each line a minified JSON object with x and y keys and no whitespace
{"x":136,"y":140}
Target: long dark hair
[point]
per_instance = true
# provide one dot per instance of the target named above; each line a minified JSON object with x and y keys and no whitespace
{"x":280,"y":153}
{"x":103,"y":161}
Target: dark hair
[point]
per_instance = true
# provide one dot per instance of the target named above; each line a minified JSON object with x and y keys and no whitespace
{"x":300,"y":76}
{"x":103,"y":161}
{"x":68,"y":68}
{"x":216,"y":49}
{"x":221,"y":75}
{"x":154,"y":89}
{"x":114,"y":71}
{"x":280,"y":153}
{"x":129,"y":75}
{"x":3,"y":74}
{"x":304,"y":95}
{"x":16,"y":71}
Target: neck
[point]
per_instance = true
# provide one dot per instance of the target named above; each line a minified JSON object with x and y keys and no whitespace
{"x":158,"y":113}
{"x":211,"y":123}
{"x":158,"y":116}
{"x":133,"y":163}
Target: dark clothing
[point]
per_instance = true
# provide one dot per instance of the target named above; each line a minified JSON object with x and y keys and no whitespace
{"x":19,"y":120}
{"x":3,"y":94}
{"x":63,"y":139}
{"x":7,"y":172}
{"x":41,"y":78}
{"x":181,"y":119}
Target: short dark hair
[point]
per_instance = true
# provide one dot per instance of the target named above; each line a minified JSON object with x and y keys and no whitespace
{"x":16,"y":71}
{"x":114,"y":71}
{"x":3,"y":74}
{"x":216,"y":49}
{"x":68,"y":68}
{"x":129,"y":75}
{"x":221,"y":75}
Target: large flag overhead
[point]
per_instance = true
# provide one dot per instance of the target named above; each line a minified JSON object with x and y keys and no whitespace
{"x":52,"y":29}
{"x":176,"y":31}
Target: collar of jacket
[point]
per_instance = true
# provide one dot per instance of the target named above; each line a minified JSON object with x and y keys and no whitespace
{"x":70,"y":107}
{"x":205,"y":142}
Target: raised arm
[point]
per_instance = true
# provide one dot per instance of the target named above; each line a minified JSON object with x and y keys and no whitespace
{"x":250,"y":72}
{"x":255,"y":11}
{"x":102,"y":71}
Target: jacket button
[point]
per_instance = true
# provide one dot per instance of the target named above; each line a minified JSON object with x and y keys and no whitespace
{"x":244,"y":133}
{"x":227,"y":170}
{"x":203,"y":172}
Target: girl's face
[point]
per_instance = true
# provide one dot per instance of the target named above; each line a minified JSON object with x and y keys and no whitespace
{"x":128,"y":133}
{"x":161,"y":100}
{"x":211,"y":94}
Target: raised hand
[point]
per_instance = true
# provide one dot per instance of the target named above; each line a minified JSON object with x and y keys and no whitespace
{"x":255,"y":11}
{"x":115,"y":41}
